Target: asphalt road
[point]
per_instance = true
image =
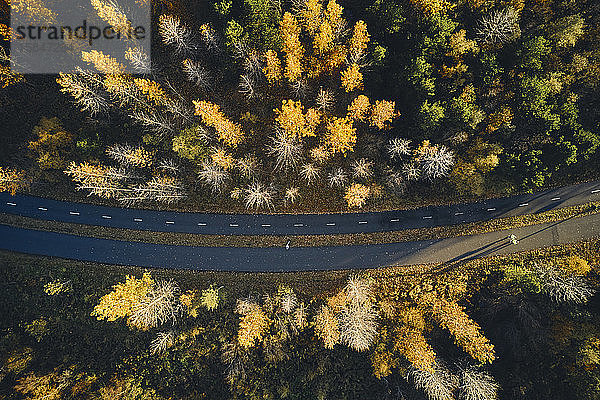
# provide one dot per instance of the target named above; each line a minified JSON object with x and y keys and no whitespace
{"x":296,"y":258}
{"x":298,"y":224}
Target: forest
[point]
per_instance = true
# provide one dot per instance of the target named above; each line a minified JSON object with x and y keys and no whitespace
{"x":313,"y":105}
{"x":522,"y":326}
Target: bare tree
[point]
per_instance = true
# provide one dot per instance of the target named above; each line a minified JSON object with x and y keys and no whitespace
{"x":398,"y":148}
{"x":197,"y":74}
{"x":337,"y":178}
{"x":562,"y":287}
{"x":235,"y":358}
{"x":155,"y":122}
{"x":162,"y":342}
{"x":291,"y":195}
{"x":213,"y":175}
{"x":86,"y":89}
{"x":437,"y":162}
{"x":325,"y":99}
{"x":258,"y":195}
{"x":411,"y":171}
{"x":477,"y":385}
{"x":396,"y":182}
{"x":173,"y":32}
{"x":287,"y":149}
{"x":253,"y":64}
{"x":300,"y":88}
{"x":361,"y":168}
{"x":310,"y":172}
{"x":163,"y":189}
{"x":169,"y":165}
{"x":139,"y":59}
{"x":248,"y":166}
{"x":498,"y":26}
{"x":158,"y":307}
{"x":438,"y":384}
{"x":247,"y":87}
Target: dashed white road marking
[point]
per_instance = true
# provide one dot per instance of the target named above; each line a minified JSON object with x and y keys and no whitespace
{"x":362,"y":222}
{"x":106,"y":217}
{"x":458,"y":213}
{"x":523,"y":204}
{"x":330,"y":224}
{"x":73,"y":213}
{"x":233,"y":225}
{"x":10,"y":204}
{"x":266,"y":225}
{"x":169,"y":222}
{"x":297,"y":225}
{"x":427,"y":217}
{"x":42,"y":209}
{"x":491,"y":209}
{"x":137,"y":219}
{"x":395,"y":220}
{"x":201,"y":224}
{"x":555,"y":198}
{"x":595,"y":191}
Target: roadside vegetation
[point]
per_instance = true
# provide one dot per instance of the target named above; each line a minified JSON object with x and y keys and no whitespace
{"x":79,"y":330}
{"x":317,"y":105}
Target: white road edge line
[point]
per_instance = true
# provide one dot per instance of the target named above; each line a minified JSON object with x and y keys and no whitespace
{"x":73,"y":213}
{"x":394,"y":220}
{"x":330,"y":224}
{"x":523,"y":204}
{"x":169,"y":222}
{"x":10,"y":204}
{"x":491,"y":209}
{"x":362,"y":222}
{"x":137,"y":219}
{"x":201,"y":224}
{"x":555,"y":198}
{"x":427,"y":217}
{"x":106,"y":217}
{"x":595,"y":191}
{"x":42,"y":209}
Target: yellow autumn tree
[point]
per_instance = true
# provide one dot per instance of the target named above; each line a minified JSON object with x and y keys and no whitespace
{"x":410,"y":341}
{"x":357,"y":195}
{"x":352,"y":78}
{"x":102,"y":62}
{"x":252,"y":327}
{"x":359,"y":108}
{"x":113,"y":16}
{"x":432,"y":7}
{"x":152,"y":90}
{"x":382,"y":113}
{"x":466,"y":332}
{"x":52,"y":144}
{"x":222,"y":158}
{"x":272,"y":69}
{"x":229,"y":132}
{"x":12,"y":180}
{"x":340,"y":136}
{"x":311,"y":16}
{"x":327,"y":327}
{"x":324,"y":38}
{"x":360,"y":38}
{"x":124,"y":297}
{"x":294,"y":52}
{"x":8,"y":77}
{"x":290,"y":117}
